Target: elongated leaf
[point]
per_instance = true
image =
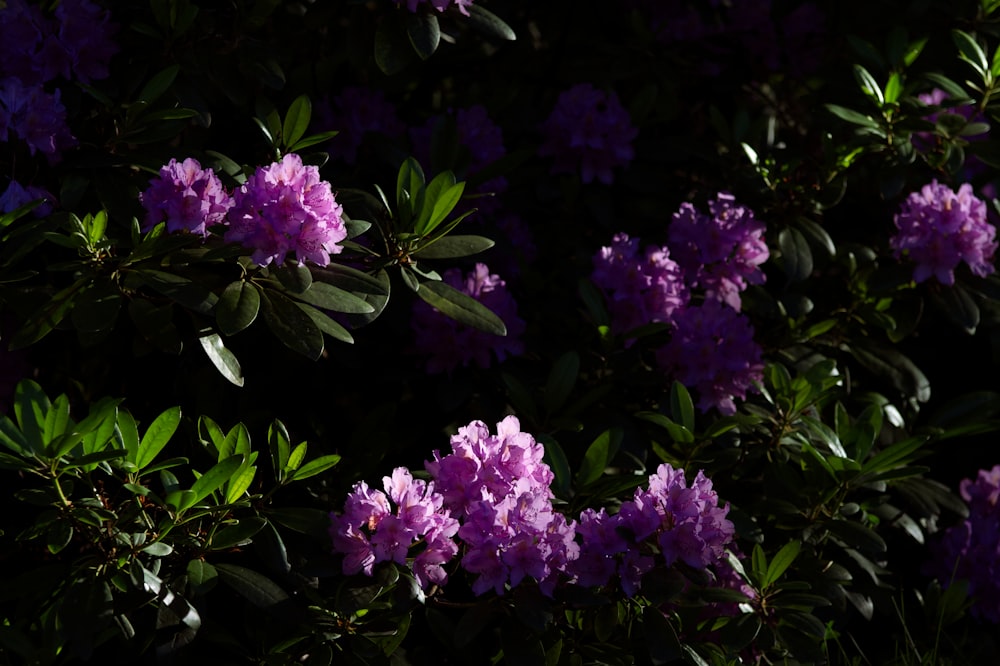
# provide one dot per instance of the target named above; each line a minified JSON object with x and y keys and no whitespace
{"x":329,"y":297}
{"x":443,"y":206}
{"x":461,"y":307}
{"x":781,"y":561}
{"x":292,"y":325}
{"x":424,"y":33}
{"x":180,"y":289}
{"x":277,"y":442}
{"x":296,"y":457}
{"x":489,"y":23}
{"x":327,"y":325}
{"x":215,"y":477}
{"x":971,"y":51}
{"x":237,"y":307}
{"x":296,"y":120}
{"x":237,"y":440}
{"x":224,"y":360}
{"x":796,"y":254}
{"x":293,"y":277}
{"x":314,"y":467}
{"x":869,"y":85}
{"x":677,"y":432}
{"x":128,"y":434}
{"x":238,"y":534}
{"x":857,"y":535}
{"x":681,"y":405}
{"x":852,"y":116}
{"x":598,"y":456}
{"x":959,"y":306}
{"x":12,"y":437}
{"x":239,"y":483}
{"x":157,"y":435}
{"x":254,"y":587}
{"x":561,"y":380}
{"x":556,"y":459}
{"x":158,"y":85}
{"x":350,"y":279}
{"x":452,"y":247}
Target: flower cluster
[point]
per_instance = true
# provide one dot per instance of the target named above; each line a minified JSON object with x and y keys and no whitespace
{"x":686,"y":524}
{"x":356,"y":112}
{"x":499,"y":487}
{"x":186,"y":197}
{"x":74,"y":42}
{"x":971,"y":551}
{"x":712,"y":349}
{"x":16,"y":195}
{"x":936,"y":99}
{"x":448,"y":344}
{"x":588,"y":131}
{"x":492,"y":495}
{"x":938,"y":228}
{"x":285,"y":208}
{"x":721,"y":252}
{"x":381,"y":526}
{"x":641,"y":288}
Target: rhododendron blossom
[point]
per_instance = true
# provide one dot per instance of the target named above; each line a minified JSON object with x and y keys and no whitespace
{"x":186,"y":197}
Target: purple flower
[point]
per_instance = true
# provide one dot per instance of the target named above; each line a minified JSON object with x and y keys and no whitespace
{"x":187,"y":197}
{"x":640,"y":289}
{"x":449,"y":344}
{"x":438,"y":5}
{"x":588,"y":131}
{"x":938,"y":228}
{"x":85,"y":32}
{"x":498,"y":486}
{"x":936,"y":98}
{"x":286,"y":208}
{"x":36,"y":117}
{"x":17,"y":195}
{"x":713,"y":350}
{"x":721,"y":252}
{"x":355,"y":112}
{"x":26,"y":31}
{"x":685,"y":523}
{"x":970,"y":551}
{"x":378,"y":526}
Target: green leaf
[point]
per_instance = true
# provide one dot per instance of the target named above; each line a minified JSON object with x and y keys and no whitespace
{"x":869,"y":86}
{"x":292,"y":325}
{"x":971,"y":51}
{"x":677,"y":432}
{"x":598,"y":456}
{"x":443,"y":206}
{"x":392,"y":49}
{"x":852,"y":116}
{"x":461,"y":307}
{"x":856,"y":535}
{"x":277,"y":442}
{"x":237,"y":440}
{"x":58,"y":536}
{"x":296,"y":120}
{"x":224,"y":360}
{"x":329,"y":297}
{"x":311,"y":140}
{"x":128,"y":433}
{"x":254,"y":587}
{"x":237,"y":307}
{"x":424,"y":33}
{"x":780,"y":562}
{"x":293,"y":277}
{"x":561,"y":380}
{"x":350,"y":279}
{"x":158,"y":85}
{"x":409,"y":190}
{"x":303,"y":520}
{"x":556,"y":459}
{"x":94,"y":458}
{"x":215,"y":477}
{"x":158,"y":549}
{"x":958,"y":305}
{"x":328,"y":325}
{"x":157,"y":435}
{"x":180,"y":289}
{"x":314,"y":467}
{"x":239,"y":534}
{"x":296,"y":457}
{"x":240,"y":482}
{"x":681,"y":406}
{"x":489,"y":23}
{"x":797,"y":259}
{"x":12,"y":437}
{"x":453,"y":247}
{"x":202,"y":576}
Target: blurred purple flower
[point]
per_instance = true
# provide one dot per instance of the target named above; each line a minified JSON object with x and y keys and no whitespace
{"x":378,"y":526}
{"x":938,"y":228}
{"x":355,"y":112}
{"x":712,"y":349}
{"x":36,"y":117}
{"x":721,"y":252}
{"x":970,"y":551}
{"x":187,"y":197}
{"x":640,"y":289}
{"x":449,"y":344}
{"x":86,"y":33}
{"x":285,"y":208}
{"x":936,"y":98}
{"x":16,"y":195}
{"x":589,"y":132}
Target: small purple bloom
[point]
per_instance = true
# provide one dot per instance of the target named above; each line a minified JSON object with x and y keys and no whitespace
{"x":187,"y":197}
{"x":449,"y":344}
{"x":286,"y":208}
{"x":640,"y":289}
{"x":437,"y":5}
{"x":17,"y":195}
{"x":712,"y":349}
{"x":589,"y":132}
{"x":86,"y":32}
{"x":36,"y":117}
{"x":937,"y":228}
{"x":720,"y":252}
{"x":970,"y":551}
